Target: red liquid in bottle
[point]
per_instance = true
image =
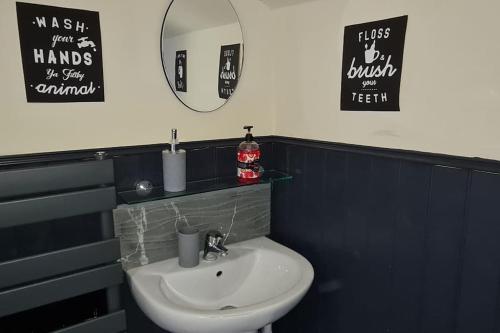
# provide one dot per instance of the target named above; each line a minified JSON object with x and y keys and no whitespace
{"x":248,"y":159}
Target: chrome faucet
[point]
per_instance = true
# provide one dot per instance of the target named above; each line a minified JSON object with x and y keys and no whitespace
{"x":214,"y":245}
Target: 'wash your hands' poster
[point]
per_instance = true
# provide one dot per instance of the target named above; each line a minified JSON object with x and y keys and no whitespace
{"x":372,"y":65}
{"x":61,"y":53}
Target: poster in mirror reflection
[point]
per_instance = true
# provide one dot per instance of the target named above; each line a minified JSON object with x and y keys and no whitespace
{"x":181,"y":71}
{"x":229,"y":64}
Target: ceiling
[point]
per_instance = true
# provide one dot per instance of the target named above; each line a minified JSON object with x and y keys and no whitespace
{"x":186,"y":16}
{"x":273,"y":4}
{"x":191,"y":15}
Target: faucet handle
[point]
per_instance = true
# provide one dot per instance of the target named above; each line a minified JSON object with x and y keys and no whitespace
{"x":214,"y":245}
{"x":214,"y":233}
{"x":214,"y":237}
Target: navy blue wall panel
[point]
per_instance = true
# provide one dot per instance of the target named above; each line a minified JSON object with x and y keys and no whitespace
{"x":304,"y":236}
{"x":398,"y":245}
{"x":383,"y":190}
{"x":355,"y":241}
{"x":330,"y":230}
{"x":409,"y":248}
{"x":444,"y":232}
{"x":479,"y":309}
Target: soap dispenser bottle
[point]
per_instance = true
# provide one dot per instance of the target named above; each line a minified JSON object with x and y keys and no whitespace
{"x":248,"y":158}
{"x":174,"y":166}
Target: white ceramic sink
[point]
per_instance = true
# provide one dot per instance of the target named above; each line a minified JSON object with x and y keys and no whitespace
{"x":258,"y":282}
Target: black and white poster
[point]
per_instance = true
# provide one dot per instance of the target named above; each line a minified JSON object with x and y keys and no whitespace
{"x":372,"y":65}
{"x":61,"y":53}
{"x":228,"y":69}
{"x":181,"y":70}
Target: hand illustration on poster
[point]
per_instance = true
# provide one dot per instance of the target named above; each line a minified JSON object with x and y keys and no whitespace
{"x":372,"y":65}
{"x":61,"y":53}
{"x":371,"y":54}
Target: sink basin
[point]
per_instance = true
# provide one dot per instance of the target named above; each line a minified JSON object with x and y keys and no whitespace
{"x":258,"y":282}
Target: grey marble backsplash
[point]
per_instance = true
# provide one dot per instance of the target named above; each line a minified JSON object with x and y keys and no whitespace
{"x":148,"y":231}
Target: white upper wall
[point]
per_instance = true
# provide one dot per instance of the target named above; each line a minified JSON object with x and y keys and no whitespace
{"x":450,"y":90}
{"x":139,"y":106}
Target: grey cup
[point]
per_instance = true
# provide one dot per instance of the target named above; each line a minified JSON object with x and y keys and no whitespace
{"x":189,"y":247}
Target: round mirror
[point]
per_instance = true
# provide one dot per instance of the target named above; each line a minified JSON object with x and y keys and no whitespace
{"x":202,"y":52}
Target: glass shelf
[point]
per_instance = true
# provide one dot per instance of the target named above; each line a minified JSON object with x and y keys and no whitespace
{"x":201,"y":186}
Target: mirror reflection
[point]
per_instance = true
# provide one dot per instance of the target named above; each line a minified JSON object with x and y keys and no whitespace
{"x":202,"y":52}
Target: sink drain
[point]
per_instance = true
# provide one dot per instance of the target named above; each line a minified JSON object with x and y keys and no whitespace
{"x":228,"y":307}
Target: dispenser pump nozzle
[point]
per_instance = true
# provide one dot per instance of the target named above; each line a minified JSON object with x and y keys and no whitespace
{"x":173,"y":140}
{"x":248,"y":136}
